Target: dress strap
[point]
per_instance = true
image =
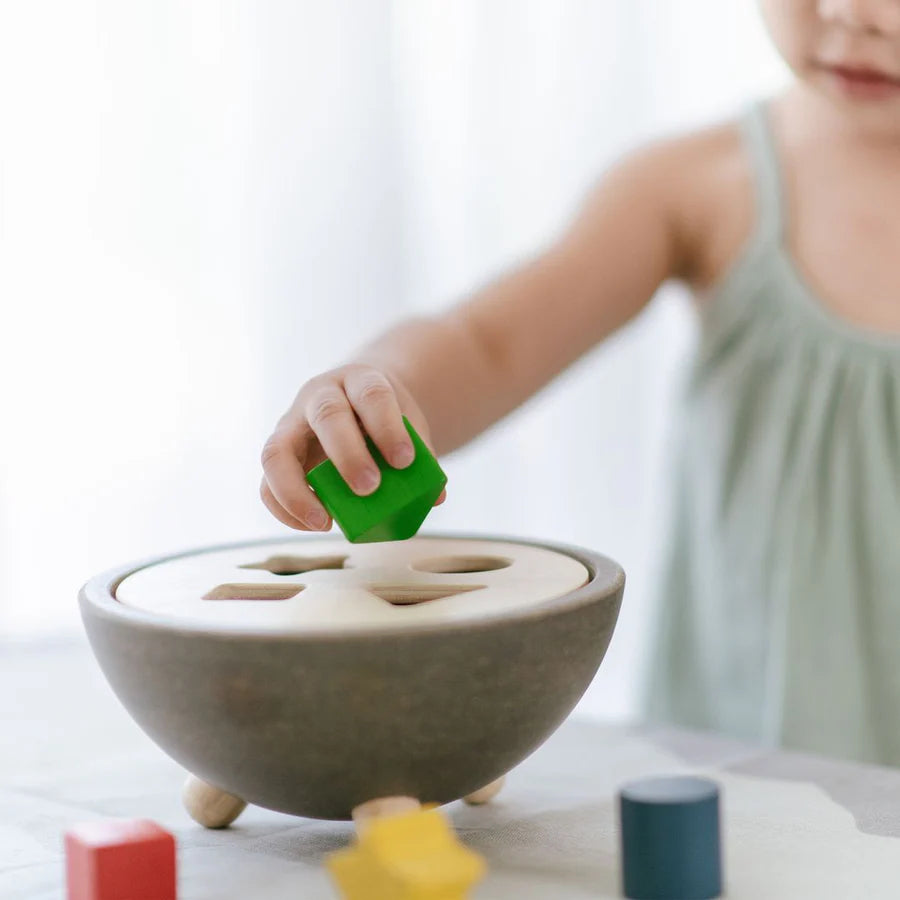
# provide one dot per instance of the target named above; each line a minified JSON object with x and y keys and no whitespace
{"x":760,"y":145}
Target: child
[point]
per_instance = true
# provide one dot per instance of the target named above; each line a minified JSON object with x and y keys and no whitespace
{"x":781,"y":614}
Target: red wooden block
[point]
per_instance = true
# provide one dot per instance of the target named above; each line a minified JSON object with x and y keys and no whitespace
{"x":120,"y":859}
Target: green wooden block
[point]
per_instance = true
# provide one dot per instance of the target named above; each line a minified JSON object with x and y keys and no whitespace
{"x":397,"y":508}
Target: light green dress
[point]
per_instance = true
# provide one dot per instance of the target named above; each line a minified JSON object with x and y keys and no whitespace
{"x":780,"y":617}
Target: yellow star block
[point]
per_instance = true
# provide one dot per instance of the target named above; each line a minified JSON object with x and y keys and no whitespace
{"x":411,"y":856}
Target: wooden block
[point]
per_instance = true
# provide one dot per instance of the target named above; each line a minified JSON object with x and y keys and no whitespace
{"x":409,"y":856}
{"x":120,"y":859}
{"x":670,"y":837}
{"x":396,"y":509}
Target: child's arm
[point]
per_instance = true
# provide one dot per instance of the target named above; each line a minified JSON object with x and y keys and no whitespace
{"x":456,"y":373}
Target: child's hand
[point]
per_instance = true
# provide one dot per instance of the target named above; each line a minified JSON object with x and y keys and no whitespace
{"x":327,"y":419}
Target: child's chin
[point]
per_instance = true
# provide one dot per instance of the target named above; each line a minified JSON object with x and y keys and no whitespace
{"x":875,"y":109}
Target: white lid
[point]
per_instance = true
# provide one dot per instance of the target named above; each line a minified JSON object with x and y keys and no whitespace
{"x":351,"y":586}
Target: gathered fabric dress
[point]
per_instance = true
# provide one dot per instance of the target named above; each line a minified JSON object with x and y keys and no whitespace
{"x":780,"y":609}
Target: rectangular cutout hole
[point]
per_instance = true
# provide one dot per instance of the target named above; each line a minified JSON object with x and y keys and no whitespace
{"x":254,"y":592}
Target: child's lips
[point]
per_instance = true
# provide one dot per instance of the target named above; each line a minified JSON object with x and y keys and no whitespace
{"x":864,"y":83}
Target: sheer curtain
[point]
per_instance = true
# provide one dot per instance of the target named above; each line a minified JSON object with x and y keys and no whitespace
{"x":203,"y":204}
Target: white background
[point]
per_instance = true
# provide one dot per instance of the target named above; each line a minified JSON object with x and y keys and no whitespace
{"x":204,"y":203}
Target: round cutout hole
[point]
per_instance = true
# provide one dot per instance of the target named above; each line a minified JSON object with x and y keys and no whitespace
{"x":458,"y":565}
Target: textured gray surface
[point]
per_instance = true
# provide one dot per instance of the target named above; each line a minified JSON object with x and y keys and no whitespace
{"x":69,"y":752}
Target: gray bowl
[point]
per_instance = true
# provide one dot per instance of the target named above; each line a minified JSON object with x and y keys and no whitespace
{"x":314,"y":724}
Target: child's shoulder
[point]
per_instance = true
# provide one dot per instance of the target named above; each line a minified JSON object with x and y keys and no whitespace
{"x":705,"y":178}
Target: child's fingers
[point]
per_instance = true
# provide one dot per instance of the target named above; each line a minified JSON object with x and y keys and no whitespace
{"x":277,"y":510}
{"x":331,"y":418}
{"x":374,"y":401}
{"x":285,"y":482}
{"x":441,"y":498}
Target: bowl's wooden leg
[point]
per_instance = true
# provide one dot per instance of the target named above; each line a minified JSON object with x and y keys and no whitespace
{"x":485,"y":794}
{"x":210,"y":806}
{"x":383,"y":806}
